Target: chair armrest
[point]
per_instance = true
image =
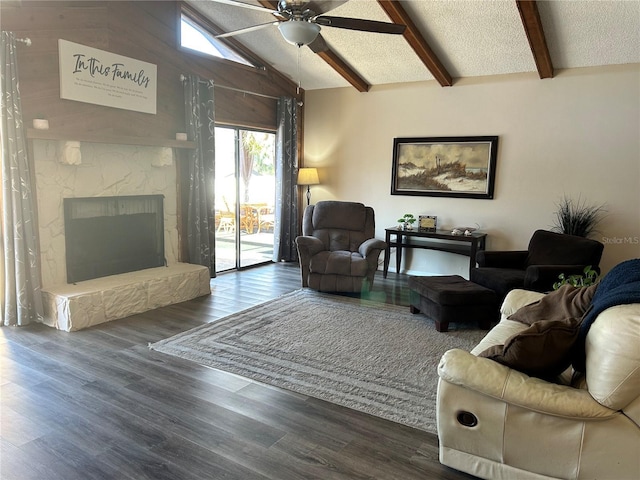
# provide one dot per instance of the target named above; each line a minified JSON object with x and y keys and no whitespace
{"x":308,"y":246}
{"x":542,"y":277}
{"x":515,"y":388}
{"x":518,"y":298}
{"x":502,"y":258}
{"x":371,"y":245}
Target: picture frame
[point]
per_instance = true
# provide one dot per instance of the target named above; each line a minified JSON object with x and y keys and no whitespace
{"x":427,"y":223}
{"x":459,"y":167}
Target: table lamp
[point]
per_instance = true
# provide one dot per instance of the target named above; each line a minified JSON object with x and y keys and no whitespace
{"x":308,"y":176}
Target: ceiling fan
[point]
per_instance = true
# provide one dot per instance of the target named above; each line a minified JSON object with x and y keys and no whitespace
{"x":299,"y":22}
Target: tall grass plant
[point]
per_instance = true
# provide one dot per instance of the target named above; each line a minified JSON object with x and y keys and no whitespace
{"x":575,"y":217}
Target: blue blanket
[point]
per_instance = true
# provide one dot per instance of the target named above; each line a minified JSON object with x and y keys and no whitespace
{"x":620,"y":286}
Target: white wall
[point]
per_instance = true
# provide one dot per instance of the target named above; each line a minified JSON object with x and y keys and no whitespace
{"x":577,"y":134}
{"x":106,"y":170}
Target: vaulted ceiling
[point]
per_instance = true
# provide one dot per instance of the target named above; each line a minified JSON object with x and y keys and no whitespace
{"x":445,"y":40}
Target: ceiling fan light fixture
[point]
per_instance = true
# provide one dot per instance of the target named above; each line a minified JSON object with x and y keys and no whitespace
{"x":299,"y":32}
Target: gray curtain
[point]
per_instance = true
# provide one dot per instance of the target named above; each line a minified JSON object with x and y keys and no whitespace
{"x":200,"y":125}
{"x":21,"y":289}
{"x":286,"y":211}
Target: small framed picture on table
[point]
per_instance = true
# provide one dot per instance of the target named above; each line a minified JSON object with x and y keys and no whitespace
{"x":427,"y":223}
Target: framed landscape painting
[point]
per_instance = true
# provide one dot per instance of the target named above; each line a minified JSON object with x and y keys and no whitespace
{"x":463,"y":167}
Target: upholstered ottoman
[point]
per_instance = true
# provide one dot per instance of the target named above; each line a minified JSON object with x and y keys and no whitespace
{"x":451,"y":298}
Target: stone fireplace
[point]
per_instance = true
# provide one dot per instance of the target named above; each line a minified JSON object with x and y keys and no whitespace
{"x":105,"y":170}
{"x":100,"y":171}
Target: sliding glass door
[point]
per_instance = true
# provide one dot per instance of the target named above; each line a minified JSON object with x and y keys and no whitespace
{"x":245,"y":195}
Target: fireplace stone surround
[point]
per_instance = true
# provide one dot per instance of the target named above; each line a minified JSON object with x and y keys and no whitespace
{"x":108,"y":170}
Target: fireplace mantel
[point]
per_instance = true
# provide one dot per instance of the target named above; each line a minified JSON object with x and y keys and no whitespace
{"x":34,"y":134}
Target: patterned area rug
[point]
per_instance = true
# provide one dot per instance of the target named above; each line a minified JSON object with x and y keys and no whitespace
{"x":373,"y":357}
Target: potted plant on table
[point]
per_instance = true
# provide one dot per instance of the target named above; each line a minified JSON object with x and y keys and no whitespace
{"x":406,"y":221}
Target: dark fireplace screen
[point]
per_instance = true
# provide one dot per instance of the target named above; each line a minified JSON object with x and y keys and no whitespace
{"x":111,"y":235}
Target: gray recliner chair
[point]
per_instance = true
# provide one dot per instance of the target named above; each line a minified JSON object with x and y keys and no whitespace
{"x":337,"y":249}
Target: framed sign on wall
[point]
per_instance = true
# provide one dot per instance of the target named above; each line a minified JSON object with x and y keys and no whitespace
{"x":103,"y":78}
{"x":463,"y":167}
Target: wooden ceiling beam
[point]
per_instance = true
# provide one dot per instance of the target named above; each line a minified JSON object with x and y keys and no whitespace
{"x":340,"y":66}
{"x":414,"y":38}
{"x":535,"y":34}
{"x":333,"y":59}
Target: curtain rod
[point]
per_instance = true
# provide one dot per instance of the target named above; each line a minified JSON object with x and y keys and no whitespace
{"x":183,"y":78}
{"x":26,"y":41}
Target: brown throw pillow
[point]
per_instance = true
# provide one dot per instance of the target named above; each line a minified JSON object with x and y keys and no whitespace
{"x":543,"y":350}
{"x":566,"y":302}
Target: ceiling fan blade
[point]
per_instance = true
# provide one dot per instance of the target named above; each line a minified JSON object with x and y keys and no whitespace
{"x":318,"y":45}
{"x":245,"y":30}
{"x":235,"y":3}
{"x":359,"y":24}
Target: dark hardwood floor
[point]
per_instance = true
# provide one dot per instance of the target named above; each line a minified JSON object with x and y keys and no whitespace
{"x":98,"y":404}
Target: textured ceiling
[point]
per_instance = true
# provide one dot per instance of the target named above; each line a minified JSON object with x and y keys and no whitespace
{"x":471,"y":38}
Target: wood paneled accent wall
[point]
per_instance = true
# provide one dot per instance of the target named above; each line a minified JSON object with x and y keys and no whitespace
{"x":144,"y":30}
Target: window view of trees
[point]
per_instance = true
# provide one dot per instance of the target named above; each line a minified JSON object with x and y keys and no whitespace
{"x":256,"y":157}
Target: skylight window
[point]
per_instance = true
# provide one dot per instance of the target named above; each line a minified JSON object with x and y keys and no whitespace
{"x":196,"y":37}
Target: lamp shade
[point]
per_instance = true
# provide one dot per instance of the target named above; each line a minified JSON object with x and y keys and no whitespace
{"x":299,"y":32}
{"x":308,"y":176}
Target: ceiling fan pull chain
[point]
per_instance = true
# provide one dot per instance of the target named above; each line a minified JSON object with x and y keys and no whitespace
{"x":299,"y":53}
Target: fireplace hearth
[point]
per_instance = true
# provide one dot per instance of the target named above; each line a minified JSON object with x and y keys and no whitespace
{"x":111,"y":235}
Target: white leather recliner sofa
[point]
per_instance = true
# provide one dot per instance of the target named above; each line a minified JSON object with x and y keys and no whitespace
{"x":495,"y":422}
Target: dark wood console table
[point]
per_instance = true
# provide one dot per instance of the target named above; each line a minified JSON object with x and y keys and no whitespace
{"x":440,"y":240}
